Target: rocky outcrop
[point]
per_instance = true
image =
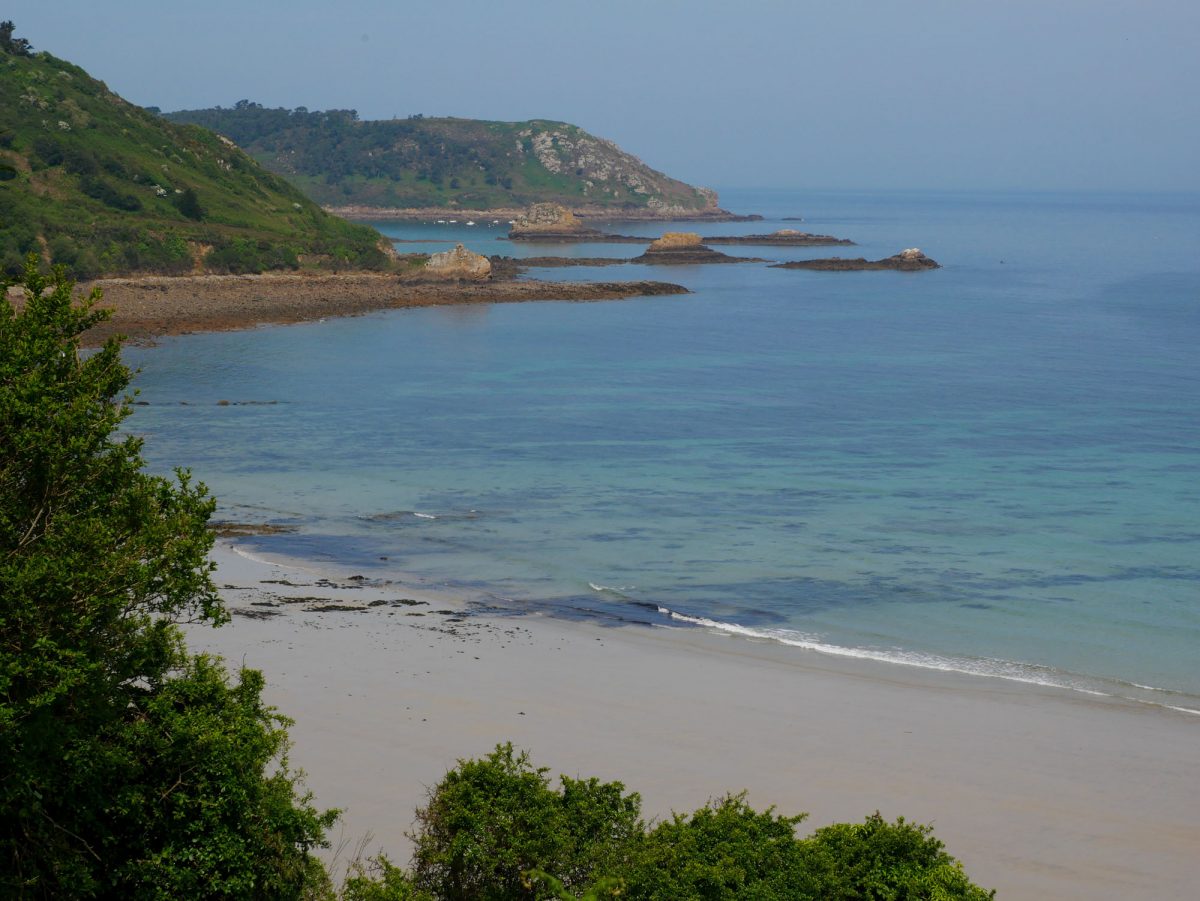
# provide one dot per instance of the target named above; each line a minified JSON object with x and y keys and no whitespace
{"x":458,"y":263}
{"x":910,"y":260}
{"x":550,"y":222}
{"x":784,"y":237}
{"x":685,"y":247}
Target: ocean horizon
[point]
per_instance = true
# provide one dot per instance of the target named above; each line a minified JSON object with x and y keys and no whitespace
{"x":990,"y":468}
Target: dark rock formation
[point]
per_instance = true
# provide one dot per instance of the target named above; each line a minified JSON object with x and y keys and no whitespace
{"x":676,"y":248}
{"x":911,"y":260}
{"x":785,"y":237}
{"x":550,"y":222}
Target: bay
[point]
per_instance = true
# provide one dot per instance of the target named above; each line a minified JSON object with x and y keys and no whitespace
{"x":993,"y":467}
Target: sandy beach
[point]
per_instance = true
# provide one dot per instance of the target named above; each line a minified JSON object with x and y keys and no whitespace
{"x":1042,"y":793}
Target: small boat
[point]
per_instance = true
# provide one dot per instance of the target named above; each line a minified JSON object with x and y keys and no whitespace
{"x":470,"y":222}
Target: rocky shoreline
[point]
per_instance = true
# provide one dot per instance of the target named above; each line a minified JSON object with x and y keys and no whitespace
{"x":362,"y":213}
{"x":145,"y":308}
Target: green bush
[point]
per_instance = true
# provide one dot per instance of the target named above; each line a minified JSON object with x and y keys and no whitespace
{"x":491,"y":821}
{"x":726,"y":850}
{"x":130,"y":769}
{"x":242,"y":256}
{"x":876,"y":859}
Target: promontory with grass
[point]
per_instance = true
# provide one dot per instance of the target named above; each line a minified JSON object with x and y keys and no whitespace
{"x":102,"y":186}
{"x":419,"y":166}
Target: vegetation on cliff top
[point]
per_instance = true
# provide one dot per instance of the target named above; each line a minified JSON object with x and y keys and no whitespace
{"x":339,"y":160}
{"x":102,"y":186}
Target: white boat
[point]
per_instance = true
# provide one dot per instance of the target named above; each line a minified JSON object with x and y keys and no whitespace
{"x":470,"y":222}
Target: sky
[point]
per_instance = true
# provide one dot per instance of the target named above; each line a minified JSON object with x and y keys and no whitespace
{"x":929,"y":94}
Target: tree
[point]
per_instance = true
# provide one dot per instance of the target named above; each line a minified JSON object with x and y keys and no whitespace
{"x":189,"y":204}
{"x":490,"y":823}
{"x":9,"y":44}
{"x":127,"y":767}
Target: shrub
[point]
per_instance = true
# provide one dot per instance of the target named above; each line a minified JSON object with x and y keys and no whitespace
{"x":490,"y":822}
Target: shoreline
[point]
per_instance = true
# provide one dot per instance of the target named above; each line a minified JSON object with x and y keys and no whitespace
{"x":1040,"y":791}
{"x":360,"y":213}
{"x":149,"y":307}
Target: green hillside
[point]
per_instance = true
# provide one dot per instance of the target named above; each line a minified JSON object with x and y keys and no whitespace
{"x":102,"y":186}
{"x":339,"y":160}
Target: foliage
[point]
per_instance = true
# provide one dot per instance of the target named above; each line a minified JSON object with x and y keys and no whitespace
{"x":726,"y":850}
{"x":491,"y":821}
{"x":127,"y":768}
{"x":9,"y":44}
{"x":189,"y":204}
{"x":82,"y":166}
{"x":336,"y":159}
{"x":883,"y":861}
{"x":495,"y":829}
{"x":378,"y":879}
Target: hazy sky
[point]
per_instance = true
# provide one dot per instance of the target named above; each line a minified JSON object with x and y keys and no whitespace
{"x":1052,"y":94}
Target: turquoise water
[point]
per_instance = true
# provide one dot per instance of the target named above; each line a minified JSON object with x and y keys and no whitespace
{"x":993,"y":467}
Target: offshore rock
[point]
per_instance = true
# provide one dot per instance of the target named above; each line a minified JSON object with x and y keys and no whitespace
{"x":458,"y":263}
{"x":910,"y":260}
{"x":784,"y":237}
{"x":685,"y":247}
{"x":549,"y":221}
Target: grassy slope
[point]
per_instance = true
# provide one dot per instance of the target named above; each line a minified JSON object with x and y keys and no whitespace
{"x":96,"y":183}
{"x":442,"y":162}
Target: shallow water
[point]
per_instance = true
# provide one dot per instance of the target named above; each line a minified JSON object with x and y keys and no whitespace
{"x":991,"y":467}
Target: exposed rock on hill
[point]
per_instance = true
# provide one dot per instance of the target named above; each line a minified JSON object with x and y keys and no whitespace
{"x":910,"y":260}
{"x":458,"y":263}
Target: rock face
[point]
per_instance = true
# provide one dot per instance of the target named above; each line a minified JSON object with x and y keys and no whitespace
{"x":458,"y":263}
{"x":786,"y":237}
{"x":685,"y":247}
{"x":910,"y":260}
{"x":549,"y":221}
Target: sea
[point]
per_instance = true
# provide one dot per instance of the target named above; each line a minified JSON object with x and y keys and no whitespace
{"x":989,"y":468}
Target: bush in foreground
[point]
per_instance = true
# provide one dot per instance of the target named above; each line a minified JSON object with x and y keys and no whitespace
{"x":128,"y":768}
{"x":495,"y":829}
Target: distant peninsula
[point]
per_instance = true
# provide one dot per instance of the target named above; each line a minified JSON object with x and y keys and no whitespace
{"x":420,"y":167}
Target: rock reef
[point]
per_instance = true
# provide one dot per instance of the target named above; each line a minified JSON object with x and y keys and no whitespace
{"x":550,"y":222}
{"x":910,"y":260}
{"x":784,"y":237}
{"x":685,"y":248}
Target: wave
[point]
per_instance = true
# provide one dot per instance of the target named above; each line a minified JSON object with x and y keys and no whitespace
{"x":1012,"y":671}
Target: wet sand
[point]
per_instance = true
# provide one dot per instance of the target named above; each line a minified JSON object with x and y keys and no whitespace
{"x":1042,"y":793}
